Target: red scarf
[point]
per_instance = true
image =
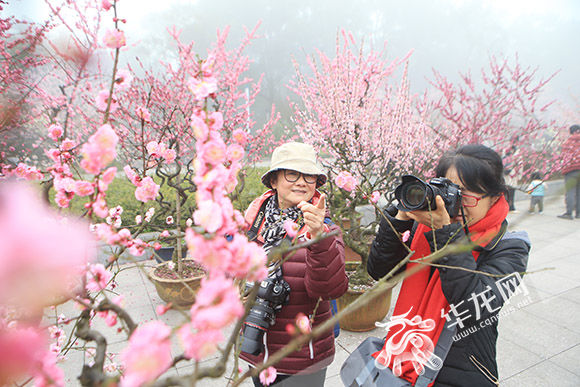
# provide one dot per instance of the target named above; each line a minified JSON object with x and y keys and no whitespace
{"x":421,"y":301}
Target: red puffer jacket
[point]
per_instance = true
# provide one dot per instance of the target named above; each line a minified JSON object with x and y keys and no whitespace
{"x":571,"y":154}
{"x":312,"y":272}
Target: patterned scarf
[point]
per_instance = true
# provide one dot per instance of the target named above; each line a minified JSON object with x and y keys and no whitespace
{"x":273,"y":230}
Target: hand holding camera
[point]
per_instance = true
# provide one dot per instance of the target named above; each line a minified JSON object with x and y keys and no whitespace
{"x":433,"y":204}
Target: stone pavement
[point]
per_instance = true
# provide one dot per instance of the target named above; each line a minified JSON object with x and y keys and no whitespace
{"x":539,"y":340}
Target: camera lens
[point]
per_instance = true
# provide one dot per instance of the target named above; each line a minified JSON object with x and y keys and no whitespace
{"x":414,"y":194}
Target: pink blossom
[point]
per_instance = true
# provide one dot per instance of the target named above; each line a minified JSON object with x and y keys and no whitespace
{"x":102,"y":100}
{"x":67,"y":144}
{"x":375,"y":196}
{"x":138,"y":219}
{"x":55,"y":131}
{"x":133,"y":177}
{"x":138,"y":247}
{"x":208,"y":215}
{"x":84,"y":188}
{"x":235,"y":152}
{"x":217,"y":304}
{"x":143,"y":114}
{"x":109,"y":174}
{"x":199,"y":345}
{"x":62,"y":199}
{"x":202,"y":88}
{"x":303,"y":323}
{"x":99,"y":206}
{"x":42,"y":255}
{"x":148,"y":354}
{"x":164,"y":234}
{"x":216,"y":120}
{"x":268,"y":376}
{"x":98,"y":277}
{"x":114,"y":38}
{"x":53,"y":154}
{"x":149,"y":214}
{"x":169,"y":220}
{"x":240,"y":136}
{"x":199,"y":126}
{"x":48,"y":374}
{"x":99,"y":150}
{"x":346,"y":181}
{"x":405,"y":236}
{"x":213,"y":152}
{"x":169,"y":155}
{"x":123,"y":79}
{"x":152,"y":148}
{"x":291,"y":228}
{"x":106,"y":5}
{"x":162,"y":309}
{"x":189,"y":222}
{"x":148,"y":190}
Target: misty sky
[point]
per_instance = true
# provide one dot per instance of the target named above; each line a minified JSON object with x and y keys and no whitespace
{"x":448,"y":35}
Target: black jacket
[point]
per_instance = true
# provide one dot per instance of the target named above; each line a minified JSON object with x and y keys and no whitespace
{"x":471,"y":361}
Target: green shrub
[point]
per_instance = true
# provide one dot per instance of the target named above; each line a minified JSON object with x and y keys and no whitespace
{"x":121,"y":192}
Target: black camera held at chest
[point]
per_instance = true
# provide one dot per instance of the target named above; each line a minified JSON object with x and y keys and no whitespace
{"x":272,"y":295}
{"x":413,"y":194}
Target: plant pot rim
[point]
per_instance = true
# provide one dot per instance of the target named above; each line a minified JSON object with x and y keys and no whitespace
{"x":153,"y":276}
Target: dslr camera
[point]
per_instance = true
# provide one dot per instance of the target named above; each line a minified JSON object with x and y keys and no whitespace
{"x":272,"y":295}
{"x":413,"y":194}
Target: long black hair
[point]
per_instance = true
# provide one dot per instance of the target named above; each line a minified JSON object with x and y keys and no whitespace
{"x":479,"y":168}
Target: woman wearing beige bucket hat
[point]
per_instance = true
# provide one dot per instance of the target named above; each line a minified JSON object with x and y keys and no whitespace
{"x":293,"y":205}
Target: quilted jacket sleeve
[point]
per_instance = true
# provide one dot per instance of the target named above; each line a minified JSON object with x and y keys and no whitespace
{"x":476,"y":293}
{"x":325,"y":276}
{"x":387,"y":250}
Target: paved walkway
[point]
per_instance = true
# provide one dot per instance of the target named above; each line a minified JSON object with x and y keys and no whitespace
{"x":539,"y":341}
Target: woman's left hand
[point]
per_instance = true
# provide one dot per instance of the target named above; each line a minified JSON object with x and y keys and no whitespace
{"x":314,"y":215}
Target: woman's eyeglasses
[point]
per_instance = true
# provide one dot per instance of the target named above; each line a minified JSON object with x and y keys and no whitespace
{"x":293,"y":176}
{"x":470,"y":200}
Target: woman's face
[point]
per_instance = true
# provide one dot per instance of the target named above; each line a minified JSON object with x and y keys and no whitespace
{"x":290,"y":194}
{"x":472,"y":214}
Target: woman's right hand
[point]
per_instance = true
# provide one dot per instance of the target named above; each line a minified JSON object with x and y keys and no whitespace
{"x":435,"y":219}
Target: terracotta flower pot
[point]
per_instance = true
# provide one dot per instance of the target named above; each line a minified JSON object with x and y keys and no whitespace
{"x":180,"y":292}
{"x":364,"y":318}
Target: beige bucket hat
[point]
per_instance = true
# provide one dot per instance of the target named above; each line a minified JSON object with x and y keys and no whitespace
{"x":298,"y":157}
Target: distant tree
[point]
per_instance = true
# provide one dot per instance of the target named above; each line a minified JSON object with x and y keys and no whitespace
{"x":353,"y":113}
{"x":501,"y":109}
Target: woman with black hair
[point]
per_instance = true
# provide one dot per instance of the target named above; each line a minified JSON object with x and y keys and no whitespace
{"x":444,"y":326}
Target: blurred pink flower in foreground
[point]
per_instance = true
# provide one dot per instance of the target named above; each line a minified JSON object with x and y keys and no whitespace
{"x":405,"y":236}
{"x":268,"y":376}
{"x":148,"y":354}
{"x":291,"y":228}
{"x":198,"y":345}
{"x":217,"y":304}
{"x":346,"y":181}
{"x":24,"y":352}
{"x":42,"y":255}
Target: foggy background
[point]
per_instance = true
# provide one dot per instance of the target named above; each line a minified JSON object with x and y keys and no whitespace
{"x":447,"y":35}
